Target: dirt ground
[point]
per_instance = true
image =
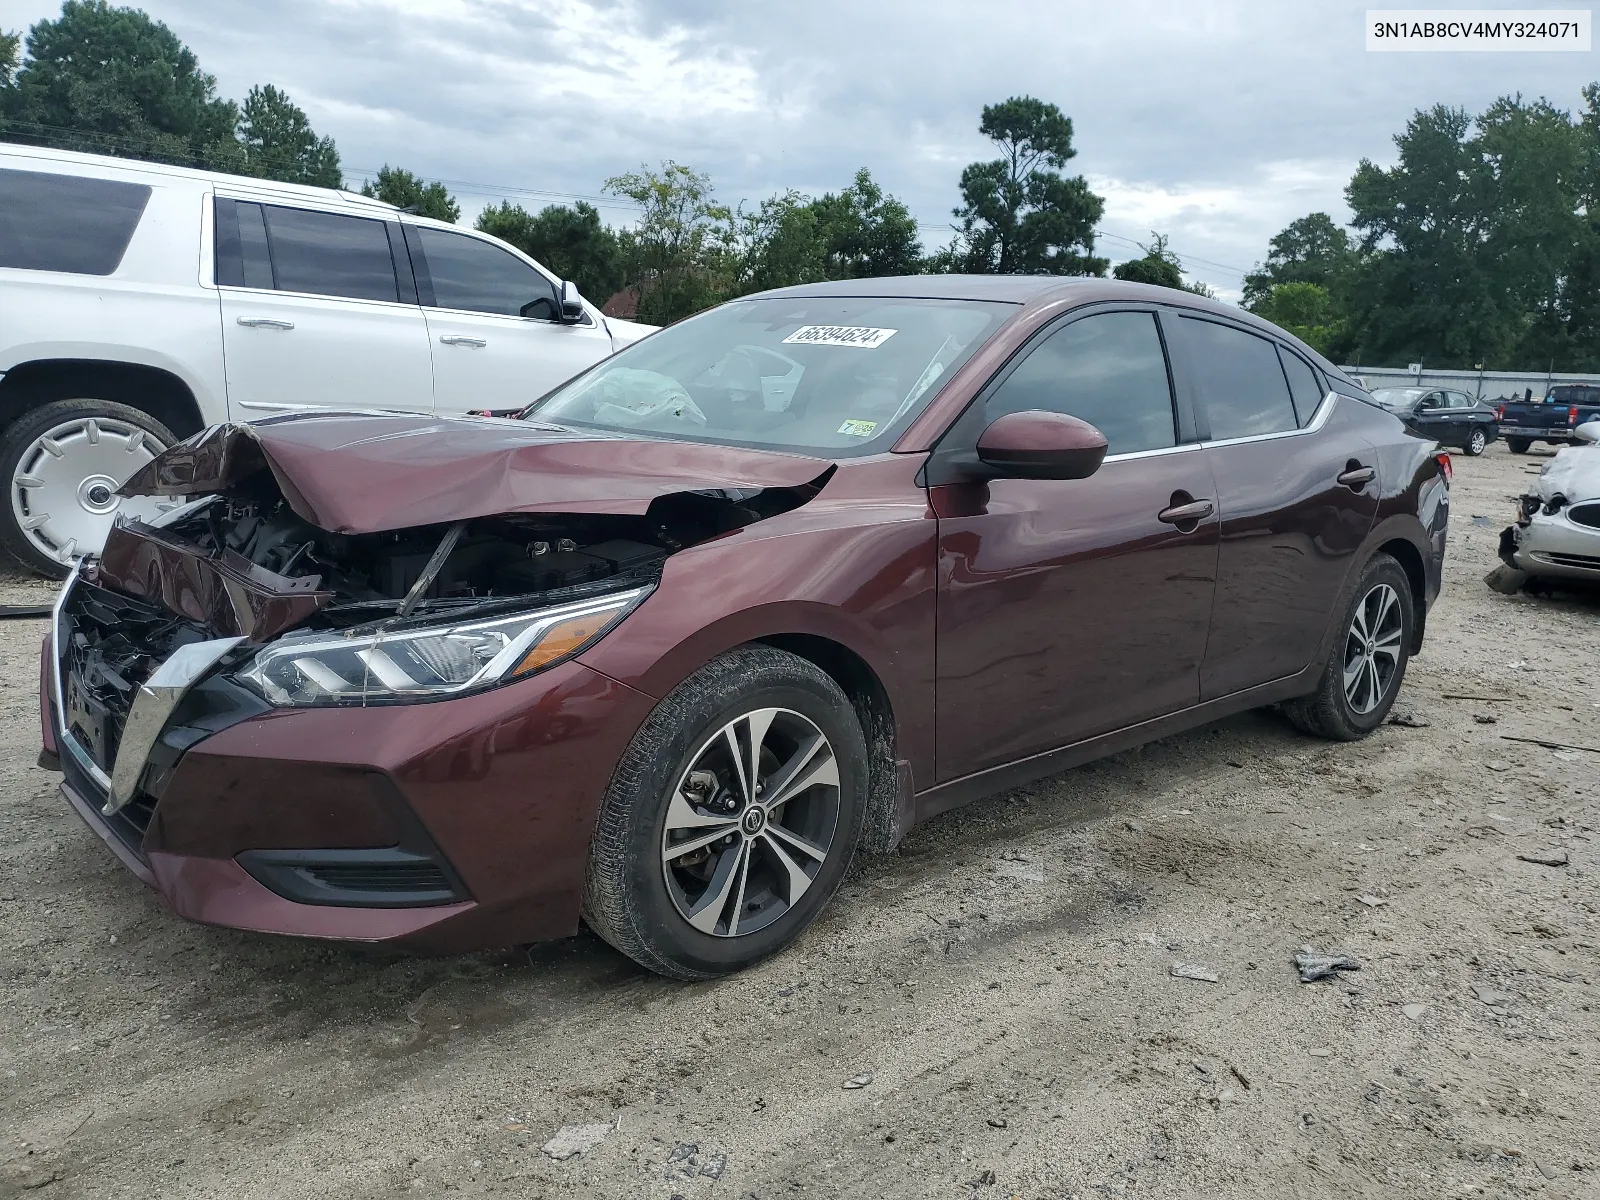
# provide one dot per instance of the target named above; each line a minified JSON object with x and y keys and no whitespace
{"x":1004,"y":982}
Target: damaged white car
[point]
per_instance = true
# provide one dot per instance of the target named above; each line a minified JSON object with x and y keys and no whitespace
{"x":1557,"y":533}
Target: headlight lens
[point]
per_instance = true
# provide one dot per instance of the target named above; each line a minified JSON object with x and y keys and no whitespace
{"x":428,"y":663}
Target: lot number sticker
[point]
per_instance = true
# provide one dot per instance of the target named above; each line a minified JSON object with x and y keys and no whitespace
{"x":859,"y":336}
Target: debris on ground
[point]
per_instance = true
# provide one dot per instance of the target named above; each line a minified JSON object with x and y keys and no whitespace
{"x":1547,"y":858}
{"x":857,"y":1081}
{"x":1314,"y":964}
{"x":1408,"y":718}
{"x":1484,"y":719}
{"x":1183,"y":970}
{"x":576,"y":1139}
{"x":1496,"y":764}
{"x":1415,"y":1011}
{"x":1491,"y":997}
{"x":1547,"y":744}
{"x":1320,"y":1052}
{"x":714,"y":1166}
{"x":683,"y":1150}
{"x":1372,"y":901}
{"x":1508,"y":581}
{"x":1023,"y":871}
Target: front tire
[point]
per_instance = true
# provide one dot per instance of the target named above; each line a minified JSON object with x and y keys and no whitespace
{"x":1518,"y":445}
{"x":1367,"y":662}
{"x":731,"y":819}
{"x":63,"y":463}
{"x":1476,"y":442}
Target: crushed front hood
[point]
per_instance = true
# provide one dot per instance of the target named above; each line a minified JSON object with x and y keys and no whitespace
{"x":372,"y":472}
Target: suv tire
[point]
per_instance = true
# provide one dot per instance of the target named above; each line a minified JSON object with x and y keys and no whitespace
{"x":744,"y":885}
{"x":96,"y":444}
{"x":1367,"y":662}
{"x":1518,"y":445}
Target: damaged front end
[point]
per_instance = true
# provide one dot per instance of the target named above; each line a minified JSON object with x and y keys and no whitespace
{"x":1556,"y":535}
{"x":250,"y":584}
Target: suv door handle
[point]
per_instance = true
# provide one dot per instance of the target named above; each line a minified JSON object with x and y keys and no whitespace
{"x":1357,"y":477}
{"x":265,"y":323}
{"x":1180,"y":514}
{"x":461,"y":339}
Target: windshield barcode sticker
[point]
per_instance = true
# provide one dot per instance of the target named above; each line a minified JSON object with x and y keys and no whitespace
{"x":841,"y":335}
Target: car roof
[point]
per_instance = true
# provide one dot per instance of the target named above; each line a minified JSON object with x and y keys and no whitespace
{"x":1031,"y":291}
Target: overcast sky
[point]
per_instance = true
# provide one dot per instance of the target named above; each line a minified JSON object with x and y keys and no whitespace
{"x":1215,"y":124}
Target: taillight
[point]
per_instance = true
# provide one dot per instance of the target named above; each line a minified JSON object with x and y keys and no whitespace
{"x":1445,"y":469}
{"x":1572,"y":415}
{"x":1500,"y":413}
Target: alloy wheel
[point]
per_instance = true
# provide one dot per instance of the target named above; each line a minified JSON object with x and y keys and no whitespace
{"x":1372,"y":649}
{"x":1477,"y":442}
{"x":64,"y":489}
{"x":750,"y":822}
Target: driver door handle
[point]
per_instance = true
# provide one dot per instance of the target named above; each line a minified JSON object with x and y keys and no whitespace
{"x":265,"y":323}
{"x":1178,"y":514}
{"x":1357,"y":477}
{"x":461,"y":339}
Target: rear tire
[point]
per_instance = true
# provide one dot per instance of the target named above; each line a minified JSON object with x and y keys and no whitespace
{"x":680,"y":912}
{"x":62,"y":464}
{"x":1476,"y":442}
{"x":1518,"y":445}
{"x":1367,"y":662}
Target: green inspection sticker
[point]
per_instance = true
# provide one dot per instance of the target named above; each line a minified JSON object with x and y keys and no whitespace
{"x":858,"y":428}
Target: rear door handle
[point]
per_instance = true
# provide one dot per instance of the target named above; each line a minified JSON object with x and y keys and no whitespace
{"x":1179,"y":514}
{"x":1357,"y":477}
{"x":461,"y":339}
{"x":265,"y":323}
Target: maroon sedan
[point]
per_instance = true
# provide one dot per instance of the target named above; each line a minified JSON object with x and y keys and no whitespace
{"x":764,"y":588}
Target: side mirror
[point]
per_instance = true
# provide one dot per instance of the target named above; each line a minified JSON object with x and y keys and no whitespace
{"x":1042,"y":445}
{"x":570,"y":302}
{"x":1589,"y":431}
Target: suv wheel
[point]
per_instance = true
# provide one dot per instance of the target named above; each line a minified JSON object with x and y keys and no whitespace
{"x":1517,"y":445}
{"x":63,"y":464}
{"x":1477,"y":442}
{"x":731,"y":818}
{"x":1368,"y":661}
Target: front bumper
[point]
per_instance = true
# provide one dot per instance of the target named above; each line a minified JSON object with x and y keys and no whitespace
{"x":1554,"y":546}
{"x":501,"y":789}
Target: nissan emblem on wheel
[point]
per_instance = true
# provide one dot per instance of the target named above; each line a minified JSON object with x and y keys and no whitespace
{"x":664,"y":650}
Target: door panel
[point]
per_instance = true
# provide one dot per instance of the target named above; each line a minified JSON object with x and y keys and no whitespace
{"x":1067,"y":608}
{"x":285,"y":351}
{"x":490,"y":317}
{"x":1289,"y":533}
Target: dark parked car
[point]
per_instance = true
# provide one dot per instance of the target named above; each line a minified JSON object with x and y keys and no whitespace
{"x":1449,"y":417}
{"x":771,"y":585}
{"x":1551,"y":419}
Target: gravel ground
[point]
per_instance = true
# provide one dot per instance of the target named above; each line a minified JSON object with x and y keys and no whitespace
{"x":1001,"y":988}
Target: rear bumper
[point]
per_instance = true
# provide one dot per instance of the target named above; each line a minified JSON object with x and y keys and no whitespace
{"x":1547,"y":434}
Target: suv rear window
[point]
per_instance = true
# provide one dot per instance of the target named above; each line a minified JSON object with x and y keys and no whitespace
{"x":67,"y":222}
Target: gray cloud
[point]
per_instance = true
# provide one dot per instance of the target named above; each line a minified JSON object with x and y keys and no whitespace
{"x":1215,"y":123}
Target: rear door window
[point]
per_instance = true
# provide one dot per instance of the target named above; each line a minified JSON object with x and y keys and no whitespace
{"x":1238,"y":380}
{"x":327,"y":254}
{"x":1305,"y":388}
{"x":477,"y":276}
{"x":1109,"y":370}
{"x":67,"y":222}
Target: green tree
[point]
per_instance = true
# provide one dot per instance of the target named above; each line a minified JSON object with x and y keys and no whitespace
{"x":401,"y":188}
{"x":112,"y":81}
{"x":1159,"y":265}
{"x":279,"y":142}
{"x":10,"y":59}
{"x":1019,"y":213}
{"x":866,"y":232}
{"x":1309,"y":250}
{"x":572,"y":242}
{"x":1305,"y":310}
{"x":682,"y":255}
{"x":781,"y":243}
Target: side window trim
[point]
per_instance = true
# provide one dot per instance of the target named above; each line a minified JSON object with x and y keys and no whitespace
{"x":419,"y":264}
{"x":958,"y":443}
{"x":401,"y":277}
{"x":400,"y":258}
{"x":1286,"y":351}
{"x":228,"y":257}
{"x":1202,"y":421}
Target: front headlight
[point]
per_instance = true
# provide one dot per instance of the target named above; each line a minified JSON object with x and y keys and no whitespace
{"x":431,"y":662}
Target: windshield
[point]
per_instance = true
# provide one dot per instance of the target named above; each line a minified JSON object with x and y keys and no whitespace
{"x":835,"y":375}
{"x":1398,"y":399}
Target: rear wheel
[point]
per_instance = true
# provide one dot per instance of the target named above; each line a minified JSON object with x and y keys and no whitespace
{"x":1518,"y":445}
{"x":63,"y":463}
{"x":731,"y":818}
{"x":1476,"y":442}
{"x":1367,"y":663}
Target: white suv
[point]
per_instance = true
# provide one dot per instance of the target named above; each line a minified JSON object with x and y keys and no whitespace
{"x":140,"y":303}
